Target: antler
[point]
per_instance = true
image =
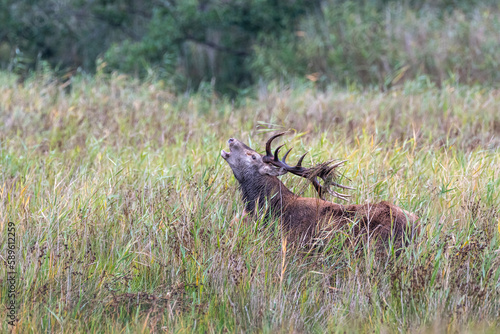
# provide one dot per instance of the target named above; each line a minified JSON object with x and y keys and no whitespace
{"x":325,"y":171}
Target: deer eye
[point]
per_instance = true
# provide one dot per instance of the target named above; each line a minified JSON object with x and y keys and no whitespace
{"x":254,"y":157}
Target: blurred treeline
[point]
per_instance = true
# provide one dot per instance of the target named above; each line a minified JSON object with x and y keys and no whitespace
{"x":230,"y":45}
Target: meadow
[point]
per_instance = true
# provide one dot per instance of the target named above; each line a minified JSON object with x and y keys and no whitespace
{"x":125,"y":211}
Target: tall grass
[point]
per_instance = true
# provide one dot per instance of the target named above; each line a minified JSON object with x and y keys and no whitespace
{"x":125,"y":211}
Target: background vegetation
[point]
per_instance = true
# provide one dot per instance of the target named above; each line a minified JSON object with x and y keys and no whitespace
{"x":124,"y":209}
{"x":234,"y":44}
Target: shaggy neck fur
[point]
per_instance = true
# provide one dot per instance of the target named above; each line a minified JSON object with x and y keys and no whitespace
{"x":262,"y":189}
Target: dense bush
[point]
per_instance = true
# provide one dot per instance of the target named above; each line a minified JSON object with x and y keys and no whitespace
{"x":68,"y":34}
{"x":195,"y":41}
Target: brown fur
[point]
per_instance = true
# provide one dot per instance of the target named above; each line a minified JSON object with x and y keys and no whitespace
{"x":304,"y":218}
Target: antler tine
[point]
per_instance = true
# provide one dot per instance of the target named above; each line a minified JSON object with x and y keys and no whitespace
{"x":276,"y":152}
{"x":299,"y":163}
{"x":342,"y":186}
{"x":268,"y":144}
{"x":338,"y":195}
{"x":286,"y":154}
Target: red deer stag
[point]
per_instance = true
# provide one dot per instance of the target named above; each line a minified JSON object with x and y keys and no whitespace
{"x":303,"y":218}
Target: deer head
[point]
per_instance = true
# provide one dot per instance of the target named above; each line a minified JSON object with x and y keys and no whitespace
{"x":246,"y":163}
{"x":249,"y":165}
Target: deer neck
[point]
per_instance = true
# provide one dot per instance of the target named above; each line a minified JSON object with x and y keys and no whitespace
{"x":266,"y":190}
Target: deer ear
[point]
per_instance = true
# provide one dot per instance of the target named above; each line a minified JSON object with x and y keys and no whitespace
{"x":269,"y":170}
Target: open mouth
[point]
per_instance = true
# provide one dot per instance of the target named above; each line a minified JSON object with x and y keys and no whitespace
{"x":225,"y":154}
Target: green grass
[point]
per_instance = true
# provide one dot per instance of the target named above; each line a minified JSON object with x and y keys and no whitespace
{"x":124,"y":208}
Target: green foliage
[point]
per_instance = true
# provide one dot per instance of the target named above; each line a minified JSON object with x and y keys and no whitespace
{"x":206,"y":40}
{"x":68,"y":34}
